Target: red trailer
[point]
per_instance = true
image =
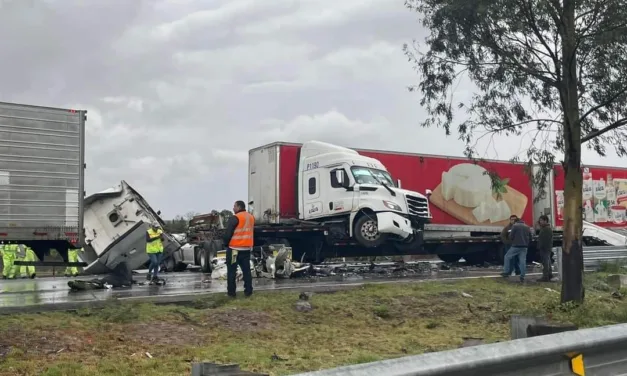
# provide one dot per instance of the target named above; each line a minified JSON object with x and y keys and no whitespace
{"x":465,"y":220}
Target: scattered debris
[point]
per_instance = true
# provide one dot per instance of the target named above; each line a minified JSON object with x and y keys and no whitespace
{"x":465,"y":295}
{"x":551,"y":290}
{"x":148,"y":355}
{"x":276,"y":358}
{"x":303,"y":306}
{"x":305,"y":295}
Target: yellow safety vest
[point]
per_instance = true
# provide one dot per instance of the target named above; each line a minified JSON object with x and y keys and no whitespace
{"x":155,"y":245}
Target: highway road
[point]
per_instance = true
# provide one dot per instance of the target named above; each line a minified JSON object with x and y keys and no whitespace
{"x":52,"y":293}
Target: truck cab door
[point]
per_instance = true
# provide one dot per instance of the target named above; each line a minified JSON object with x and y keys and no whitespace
{"x":339,"y":197}
{"x":312,"y":203}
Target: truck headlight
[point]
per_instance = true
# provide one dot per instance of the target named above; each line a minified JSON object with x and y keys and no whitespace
{"x":392,"y":205}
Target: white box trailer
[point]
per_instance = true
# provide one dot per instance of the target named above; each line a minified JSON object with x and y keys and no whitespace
{"x":116,"y":221}
{"x":42,"y":151}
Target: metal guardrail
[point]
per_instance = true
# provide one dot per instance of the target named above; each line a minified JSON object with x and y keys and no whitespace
{"x":586,"y":352}
{"x":595,"y":257}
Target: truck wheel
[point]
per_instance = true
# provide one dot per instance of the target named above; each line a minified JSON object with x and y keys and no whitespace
{"x":367,"y":233}
{"x":207,"y":254}
{"x":449,"y":258}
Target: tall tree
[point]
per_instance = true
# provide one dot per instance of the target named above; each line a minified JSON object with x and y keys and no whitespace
{"x":543,"y":66}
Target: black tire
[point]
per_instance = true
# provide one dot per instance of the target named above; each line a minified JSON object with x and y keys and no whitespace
{"x":207,"y":253}
{"x":449,"y":258}
{"x":364,"y":232}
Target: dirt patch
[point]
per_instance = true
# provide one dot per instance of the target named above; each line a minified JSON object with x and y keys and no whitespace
{"x":241,"y":320}
{"x":39,"y":342}
{"x":165,"y":333}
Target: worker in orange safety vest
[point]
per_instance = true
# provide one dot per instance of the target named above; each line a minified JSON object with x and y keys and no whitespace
{"x":239,"y":237}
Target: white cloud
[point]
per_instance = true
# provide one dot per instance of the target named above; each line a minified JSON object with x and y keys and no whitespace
{"x":177,"y":92}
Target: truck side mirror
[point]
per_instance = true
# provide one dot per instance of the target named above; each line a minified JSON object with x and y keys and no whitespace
{"x":428,"y":193}
{"x":339,"y":176}
{"x":398,"y":183}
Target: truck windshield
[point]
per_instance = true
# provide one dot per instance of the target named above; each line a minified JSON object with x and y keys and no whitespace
{"x":366,"y":175}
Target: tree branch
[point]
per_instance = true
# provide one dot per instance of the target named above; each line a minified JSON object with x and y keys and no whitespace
{"x":609,"y":101}
{"x":599,"y":132}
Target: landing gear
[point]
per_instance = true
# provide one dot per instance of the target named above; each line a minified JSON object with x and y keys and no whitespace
{"x":366,"y":231}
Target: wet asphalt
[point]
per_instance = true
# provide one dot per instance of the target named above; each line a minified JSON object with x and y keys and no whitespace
{"x":53,"y":292}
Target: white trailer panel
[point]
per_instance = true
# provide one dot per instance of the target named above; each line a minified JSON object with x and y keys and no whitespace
{"x":263,"y":183}
{"x":41,"y":172}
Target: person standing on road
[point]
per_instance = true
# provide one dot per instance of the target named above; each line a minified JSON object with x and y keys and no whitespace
{"x":154,"y":249}
{"x":507,"y":243}
{"x":9,"y":251}
{"x":239,"y":237}
{"x":520,"y":236}
{"x":28,"y":271}
{"x":72,"y":256}
{"x":545,"y":244}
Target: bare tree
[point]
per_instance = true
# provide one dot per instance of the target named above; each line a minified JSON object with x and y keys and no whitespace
{"x":542,"y":66}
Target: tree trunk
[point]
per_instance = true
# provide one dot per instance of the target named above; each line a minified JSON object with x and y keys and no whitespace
{"x":572,"y":255}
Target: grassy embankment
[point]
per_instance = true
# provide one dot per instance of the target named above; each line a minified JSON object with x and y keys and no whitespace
{"x":266,"y":333}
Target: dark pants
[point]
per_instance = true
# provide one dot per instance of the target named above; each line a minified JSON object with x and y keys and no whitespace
{"x":243,"y":260}
{"x":545,"y":259}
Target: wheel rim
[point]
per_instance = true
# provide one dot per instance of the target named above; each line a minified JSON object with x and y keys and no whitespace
{"x":369,"y":230}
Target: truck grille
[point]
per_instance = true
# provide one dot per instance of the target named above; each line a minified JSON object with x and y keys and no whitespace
{"x":418,"y":206}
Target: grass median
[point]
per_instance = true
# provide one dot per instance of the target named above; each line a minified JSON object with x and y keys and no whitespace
{"x":272,"y":333}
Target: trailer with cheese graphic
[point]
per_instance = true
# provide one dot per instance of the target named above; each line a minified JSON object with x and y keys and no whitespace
{"x":330,"y":201}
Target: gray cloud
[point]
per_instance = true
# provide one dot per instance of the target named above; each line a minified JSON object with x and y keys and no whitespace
{"x":178,"y":90}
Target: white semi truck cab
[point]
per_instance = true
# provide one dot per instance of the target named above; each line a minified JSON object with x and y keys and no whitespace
{"x":336,"y":182}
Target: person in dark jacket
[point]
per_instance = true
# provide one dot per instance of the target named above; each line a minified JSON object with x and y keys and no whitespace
{"x":239,"y":238}
{"x":507,"y":243}
{"x":520,"y":236}
{"x":545,"y":244}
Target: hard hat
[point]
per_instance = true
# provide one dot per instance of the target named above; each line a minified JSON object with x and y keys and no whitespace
{"x":156,"y":224}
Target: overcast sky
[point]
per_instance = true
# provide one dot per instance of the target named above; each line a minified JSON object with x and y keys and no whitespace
{"x":178,"y":91}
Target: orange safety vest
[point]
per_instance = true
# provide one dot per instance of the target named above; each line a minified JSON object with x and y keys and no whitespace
{"x":243,"y":234}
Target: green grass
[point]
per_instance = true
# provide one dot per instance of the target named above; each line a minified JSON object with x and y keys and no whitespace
{"x":361,"y":325}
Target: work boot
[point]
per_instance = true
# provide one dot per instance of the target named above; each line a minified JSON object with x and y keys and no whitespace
{"x":148,"y":277}
{"x":33,"y":276}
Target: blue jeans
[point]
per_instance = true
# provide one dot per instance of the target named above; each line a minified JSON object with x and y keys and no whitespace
{"x":155,"y":261}
{"x":515,"y":254}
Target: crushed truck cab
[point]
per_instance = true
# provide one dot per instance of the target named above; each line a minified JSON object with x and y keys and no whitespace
{"x":336,"y":181}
